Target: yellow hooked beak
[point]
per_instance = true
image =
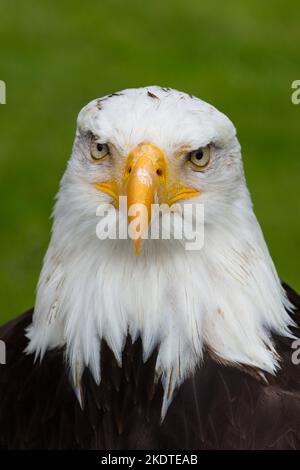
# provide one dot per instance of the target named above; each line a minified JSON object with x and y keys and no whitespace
{"x":145,"y":181}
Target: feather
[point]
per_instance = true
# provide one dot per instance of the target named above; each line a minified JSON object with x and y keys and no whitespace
{"x":218,"y":407}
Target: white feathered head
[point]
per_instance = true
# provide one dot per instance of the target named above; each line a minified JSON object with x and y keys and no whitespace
{"x":157,"y":145}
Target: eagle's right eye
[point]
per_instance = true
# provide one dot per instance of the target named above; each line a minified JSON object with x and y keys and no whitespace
{"x":99,"y":150}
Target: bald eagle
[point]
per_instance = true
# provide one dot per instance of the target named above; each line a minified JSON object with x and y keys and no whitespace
{"x":160,"y":346}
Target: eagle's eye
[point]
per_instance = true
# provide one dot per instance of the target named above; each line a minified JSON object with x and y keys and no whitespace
{"x":199,"y":158}
{"x":98,"y":150}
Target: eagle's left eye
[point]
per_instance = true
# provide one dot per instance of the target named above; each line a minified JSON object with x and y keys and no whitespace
{"x":98,"y":150}
{"x":199,"y":158}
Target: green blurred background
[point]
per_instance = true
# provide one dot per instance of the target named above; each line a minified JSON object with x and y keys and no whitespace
{"x":241,"y":56}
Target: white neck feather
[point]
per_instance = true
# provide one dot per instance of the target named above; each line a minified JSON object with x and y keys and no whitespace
{"x":226,"y":296}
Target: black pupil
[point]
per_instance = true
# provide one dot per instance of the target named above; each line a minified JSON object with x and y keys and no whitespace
{"x":199,"y":154}
{"x":99,"y":147}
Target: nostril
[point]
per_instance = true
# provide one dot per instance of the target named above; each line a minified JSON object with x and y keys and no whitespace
{"x":129,"y":170}
{"x":159,"y":172}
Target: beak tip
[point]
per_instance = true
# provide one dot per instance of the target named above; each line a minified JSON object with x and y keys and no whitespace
{"x":137,"y":247}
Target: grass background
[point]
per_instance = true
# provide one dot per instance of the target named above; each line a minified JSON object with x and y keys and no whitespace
{"x":56,"y":56}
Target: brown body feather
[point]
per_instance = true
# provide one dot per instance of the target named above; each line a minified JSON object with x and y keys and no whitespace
{"x":220,"y":407}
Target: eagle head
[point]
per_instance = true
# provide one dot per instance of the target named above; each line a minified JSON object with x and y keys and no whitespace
{"x":134,"y":150}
